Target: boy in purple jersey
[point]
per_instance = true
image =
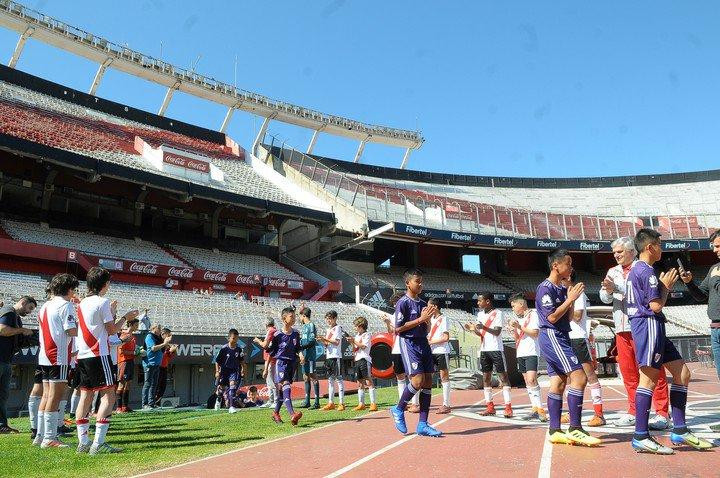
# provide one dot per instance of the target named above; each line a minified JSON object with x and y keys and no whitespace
{"x":228,"y":370}
{"x":412,"y":317}
{"x":554,"y":304}
{"x":644,"y":300}
{"x":285,"y":348}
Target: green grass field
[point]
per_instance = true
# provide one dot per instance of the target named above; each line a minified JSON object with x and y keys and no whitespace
{"x":153,"y":440}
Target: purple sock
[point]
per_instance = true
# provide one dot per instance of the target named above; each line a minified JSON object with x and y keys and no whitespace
{"x":643,"y":401}
{"x":678,"y":399}
{"x":407,"y":395}
{"x":425,"y":398}
{"x":575,"y":405}
{"x":554,"y":404}
{"x":279,"y":401}
{"x":288,"y":401}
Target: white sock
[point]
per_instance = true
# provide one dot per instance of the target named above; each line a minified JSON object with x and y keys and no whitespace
{"x":446,"y":393}
{"x":331,"y":390}
{"x":40,"y":426}
{"x":83,"y":431}
{"x":33,"y":406}
{"x":535,"y":396}
{"x":361,"y":396}
{"x":341,"y":391}
{"x":401,"y":388}
{"x":416,"y":398}
{"x":372,"y":394}
{"x":596,"y":393}
{"x":74,"y":400}
{"x":62,"y":406}
{"x":506,"y":395}
{"x":488,"y":394}
{"x":101,"y":429}
{"x":50,"y":426}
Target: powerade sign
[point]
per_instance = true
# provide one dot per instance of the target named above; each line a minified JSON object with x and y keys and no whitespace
{"x":505,"y":242}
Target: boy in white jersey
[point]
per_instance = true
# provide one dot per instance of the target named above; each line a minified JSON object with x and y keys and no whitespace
{"x":439,"y":338}
{"x":57,"y":324}
{"x":97,"y":320}
{"x":333,"y":361}
{"x":363,"y":364}
{"x":492,"y":354}
{"x":579,"y":334}
{"x":525,"y":329}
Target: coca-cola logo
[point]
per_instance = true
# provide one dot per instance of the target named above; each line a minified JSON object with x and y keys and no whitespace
{"x":251,"y":280}
{"x":277,"y":282}
{"x":149,"y":269}
{"x":215,"y":276}
{"x":187,"y":163}
{"x":182,"y":272}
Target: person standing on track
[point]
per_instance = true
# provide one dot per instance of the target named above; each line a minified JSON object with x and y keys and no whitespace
{"x":412,"y":317}
{"x":709,"y":291}
{"x":439,"y":338}
{"x":334,"y":361}
{"x":363,"y":364}
{"x":308,"y":341}
{"x":285,"y":347}
{"x":525,"y":329}
{"x":646,"y":296}
{"x":612,"y":292}
{"x":492,"y":354}
{"x":554,"y":304}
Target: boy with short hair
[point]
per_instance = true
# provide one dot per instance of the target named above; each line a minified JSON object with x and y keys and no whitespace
{"x":398,"y":367}
{"x":412,"y":316}
{"x":645,"y":299}
{"x":269,"y":362}
{"x":126,"y":365}
{"x":492,"y":352}
{"x":579,"y":334}
{"x":363,"y":364}
{"x":333,"y":361}
{"x":524,"y":326}
{"x":253,"y":398}
{"x":228,"y":370}
{"x":308,"y":340}
{"x":554,"y":304}
{"x":285,"y":348}
{"x":439,"y":338}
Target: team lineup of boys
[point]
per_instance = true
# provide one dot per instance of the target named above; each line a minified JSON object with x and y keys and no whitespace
{"x":557,"y":329}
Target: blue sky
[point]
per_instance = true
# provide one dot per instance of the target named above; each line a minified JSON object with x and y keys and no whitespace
{"x":498,"y":88}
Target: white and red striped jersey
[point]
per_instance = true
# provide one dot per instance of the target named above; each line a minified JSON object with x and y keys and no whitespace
{"x":92,"y":339}
{"x":438,"y":326}
{"x":56,"y":317}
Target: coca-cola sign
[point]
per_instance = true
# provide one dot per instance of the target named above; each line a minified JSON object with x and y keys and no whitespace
{"x":215,"y":276}
{"x":274,"y":282}
{"x":147,"y":269}
{"x":181,"y":272}
{"x":246,"y":280}
{"x":187,"y":163}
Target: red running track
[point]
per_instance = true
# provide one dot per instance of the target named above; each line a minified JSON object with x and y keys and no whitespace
{"x":471,"y":446}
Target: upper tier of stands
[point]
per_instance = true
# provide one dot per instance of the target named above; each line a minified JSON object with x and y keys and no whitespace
{"x":95,"y":244}
{"x":234,"y":262}
{"x":434,"y":279}
{"x":591,"y":213}
{"x":46,"y":120}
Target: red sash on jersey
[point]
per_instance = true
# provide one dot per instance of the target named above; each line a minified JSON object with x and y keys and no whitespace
{"x":487,"y":325}
{"x":48,"y":342}
{"x":435,"y":327}
{"x":521,"y":334}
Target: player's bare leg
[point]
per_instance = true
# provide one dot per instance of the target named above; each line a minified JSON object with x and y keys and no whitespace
{"x":487,"y":389}
{"x":445,"y":381}
{"x":506,"y":389}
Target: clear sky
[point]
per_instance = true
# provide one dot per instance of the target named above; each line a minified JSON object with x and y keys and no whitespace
{"x":526,"y":88}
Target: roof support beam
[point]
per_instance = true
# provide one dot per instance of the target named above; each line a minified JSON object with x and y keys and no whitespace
{"x":99,"y":75}
{"x":19,"y":47}
{"x":228,"y":117}
{"x":405,"y":158}
{"x":261,"y":135}
{"x":361,"y":148}
{"x":168,"y":97}
{"x":313,"y":140}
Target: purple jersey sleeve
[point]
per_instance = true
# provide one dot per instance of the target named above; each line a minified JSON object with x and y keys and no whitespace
{"x":548,"y":298}
{"x":221,"y":356}
{"x":402,"y":312}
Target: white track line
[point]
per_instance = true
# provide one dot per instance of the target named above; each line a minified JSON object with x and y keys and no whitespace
{"x":618,"y":391}
{"x":546,"y":459}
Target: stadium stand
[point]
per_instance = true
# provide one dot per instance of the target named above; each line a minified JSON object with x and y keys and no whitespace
{"x":96,"y":244}
{"x":436,"y":279}
{"x":233,"y":262}
{"x":566,"y":212}
{"x":43,"y":119}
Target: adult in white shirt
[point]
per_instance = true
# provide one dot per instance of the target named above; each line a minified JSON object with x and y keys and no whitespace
{"x":612,"y":292}
{"x":439,"y":340}
{"x":525,"y":328}
{"x":579,"y":334}
{"x":492,"y":354}
{"x":57,"y":324}
{"x":97,"y":320}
